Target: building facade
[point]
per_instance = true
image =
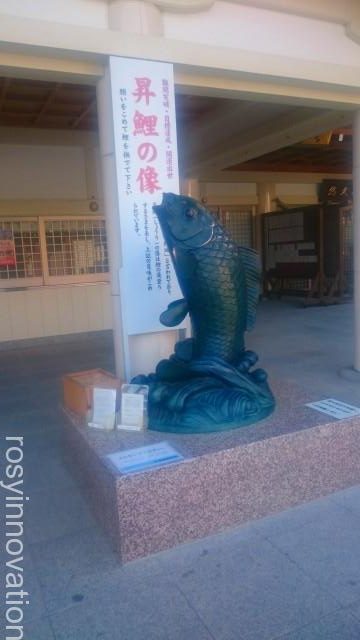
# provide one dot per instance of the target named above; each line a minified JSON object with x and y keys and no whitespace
{"x":250,"y":77}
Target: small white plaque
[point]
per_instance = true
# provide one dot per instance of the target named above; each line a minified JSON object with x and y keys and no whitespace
{"x":335,"y":408}
{"x":133,"y":414}
{"x":104,"y":408}
{"x":144,"y":458}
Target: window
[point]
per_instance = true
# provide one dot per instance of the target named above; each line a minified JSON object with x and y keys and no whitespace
{"x":239,"y":225}
{"x":20,"y":255}
{"x":56,"y":250}
{"x":76,"y":248}
{"x":238,"y":221}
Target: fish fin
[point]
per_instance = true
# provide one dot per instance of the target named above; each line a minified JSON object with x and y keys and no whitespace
{"x":251,"y":264}
{"x":175,"y":313}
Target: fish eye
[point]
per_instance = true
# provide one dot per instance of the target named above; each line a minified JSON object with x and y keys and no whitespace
{"x":191,"y":213}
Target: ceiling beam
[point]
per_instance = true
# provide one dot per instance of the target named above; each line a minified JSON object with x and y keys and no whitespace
{"x":51,"y":97}
{"x":283,"y":131}
{"x":299,"y":167}
{"x":225,"y":117}
{"x":270,"y":176}
{"x":83,"y":114}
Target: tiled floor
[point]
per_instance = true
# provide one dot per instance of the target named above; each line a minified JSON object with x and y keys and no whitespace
{"x":293,"y":576}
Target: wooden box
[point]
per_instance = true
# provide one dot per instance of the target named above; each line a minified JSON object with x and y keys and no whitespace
{"x":78,"y":389}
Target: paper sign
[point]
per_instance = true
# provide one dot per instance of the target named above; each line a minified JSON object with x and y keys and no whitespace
{"x":335,"y":408}
{"x":133,"y":415}
{"x":132,"y":409}
{"x":144,"y":458}
{"x":104,"y":407}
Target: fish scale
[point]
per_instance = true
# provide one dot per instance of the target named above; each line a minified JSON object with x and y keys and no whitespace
{"x":219,"y":280}
{"x":218,"y":290}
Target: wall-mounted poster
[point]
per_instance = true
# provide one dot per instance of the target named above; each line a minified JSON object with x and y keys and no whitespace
{"x":7,"y":249}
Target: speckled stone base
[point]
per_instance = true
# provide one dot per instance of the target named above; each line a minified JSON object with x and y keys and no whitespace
{"x":228,"y":478}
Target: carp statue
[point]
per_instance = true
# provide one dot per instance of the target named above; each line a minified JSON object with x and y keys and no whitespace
{"x":207,"y":384}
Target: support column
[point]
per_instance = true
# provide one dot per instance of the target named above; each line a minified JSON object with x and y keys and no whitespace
{"x":356,"y":237}
{"x":107,"y":155}
{"x":135,"y":16}
{"x":91,"y":174}
{"x":190,"y":187}
{"x":266,"y":193}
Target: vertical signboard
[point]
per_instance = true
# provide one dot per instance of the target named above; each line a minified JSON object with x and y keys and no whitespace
{"x":147,"y":166}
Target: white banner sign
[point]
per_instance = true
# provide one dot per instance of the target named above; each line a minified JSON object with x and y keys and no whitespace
{"x":147,"y":165}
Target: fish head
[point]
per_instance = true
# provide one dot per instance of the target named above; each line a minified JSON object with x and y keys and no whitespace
{"x":184,"y":221}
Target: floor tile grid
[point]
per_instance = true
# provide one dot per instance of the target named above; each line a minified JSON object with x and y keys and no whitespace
{"x":341,"y":608}
{"x":235,"y":634}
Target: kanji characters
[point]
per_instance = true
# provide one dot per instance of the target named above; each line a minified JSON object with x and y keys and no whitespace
{"x":145,"y":125}
{"x":147,"y":151}
{"x":143,"y":90}
{"x":148,"y":180}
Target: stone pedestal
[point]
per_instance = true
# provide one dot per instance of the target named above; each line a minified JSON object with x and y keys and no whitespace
{"x":294,"y":456}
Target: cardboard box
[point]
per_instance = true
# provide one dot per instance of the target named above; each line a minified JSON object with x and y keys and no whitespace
{"x":78,"y":389}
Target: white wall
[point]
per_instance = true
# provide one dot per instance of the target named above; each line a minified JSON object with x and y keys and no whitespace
{"x":35,"y":180}
{"x":258,"y":30}
{"x":92,"y":13}
{"x":225,"y":24}
{"x":245,"y":193}
{"x":50,"y":311}
{"x":222,"y":193}
{"x":298,"y":193}
{"x":290,"y":189}
{"x":42,"y":171}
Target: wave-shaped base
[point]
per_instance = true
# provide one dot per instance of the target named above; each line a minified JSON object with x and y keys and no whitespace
{"x":206,"y":395}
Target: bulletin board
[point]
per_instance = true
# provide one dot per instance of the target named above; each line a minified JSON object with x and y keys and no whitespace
{"x":291,"y":243}
{"x":308,"y":250}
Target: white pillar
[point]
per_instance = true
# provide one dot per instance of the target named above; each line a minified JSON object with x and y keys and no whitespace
{"x":107,"y":154}
{"x":356,"y":236}
{"x":266,"y":194}
{"x":138,"y":353}
{"x":135,"y":16}
{"x":92,"y":182}
{"x":190,"y":187}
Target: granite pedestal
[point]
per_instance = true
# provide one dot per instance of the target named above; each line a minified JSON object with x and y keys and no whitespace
{"x":227,"y":479}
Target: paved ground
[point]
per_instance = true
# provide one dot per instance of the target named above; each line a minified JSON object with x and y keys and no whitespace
{"x":294,"y":576}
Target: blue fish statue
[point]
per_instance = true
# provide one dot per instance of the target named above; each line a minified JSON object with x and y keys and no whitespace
{"x":207,"y":385}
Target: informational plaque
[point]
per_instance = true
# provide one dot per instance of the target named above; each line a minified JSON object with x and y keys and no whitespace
{"x":146,"y":167}
{"x":145,"y":458}
{"x":335,"y":408}
{"x":104,"y":407}
{"x":133,"y":412}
